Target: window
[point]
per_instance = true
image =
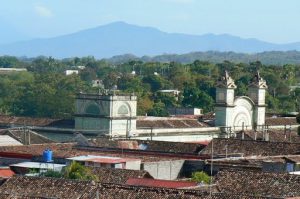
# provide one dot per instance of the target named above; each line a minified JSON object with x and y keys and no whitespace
{"x":123,"y":110}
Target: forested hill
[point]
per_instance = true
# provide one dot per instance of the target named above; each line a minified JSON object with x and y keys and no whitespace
{"x":269,"y":58}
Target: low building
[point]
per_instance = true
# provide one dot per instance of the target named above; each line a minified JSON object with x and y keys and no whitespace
{"x":98,"y":83}
{"x":25,"y":136}
{"x":119,"y":176}
{"x":6,"y":140}
{"x":185,"y":111}
{"x":273,"y":185}
{"x":12,"y":70}
{"x":42,"y":187}
{"x":171,"y":92}
{"x":71,"y":72}
{"x":271,"y":135}
{"x":40,"y":167}
{"x":236,"y":147}
{"x":108,"y":162}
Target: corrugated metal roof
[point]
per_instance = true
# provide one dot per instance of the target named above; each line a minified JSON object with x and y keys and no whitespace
{"x":6,"y":172}
{"x":106,"y":160}
{"x":159,"y":183}
{"x":102,"y":159}
{"x":38,"y":165}
{"x":6,"y":140}
{"x":87,"y":157}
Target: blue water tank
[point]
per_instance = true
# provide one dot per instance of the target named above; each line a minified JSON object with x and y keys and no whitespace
{"x":47,"y":155}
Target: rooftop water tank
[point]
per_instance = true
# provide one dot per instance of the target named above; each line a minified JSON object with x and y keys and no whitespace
{"x":47,"y":155}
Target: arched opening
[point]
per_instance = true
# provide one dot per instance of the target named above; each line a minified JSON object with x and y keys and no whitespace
{"x":92,"y":109}
{"x":123,"y":110}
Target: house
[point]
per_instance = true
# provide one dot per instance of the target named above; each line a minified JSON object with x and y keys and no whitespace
{"x":38,"y":187}
{"x":40,"y":167}
{"x":236,"y":147}
{"x":25,"y":136}
{"x":71,"y":72}
{"x":6,"y":140}
{"x":271,"y":135}
{"x":185,"y":111}
{"x":149,"y":145}
{"x":108,"y":162}
{"x":273,"y":185}
{"x":98,"y":83}
{"x":12,"y":70}
{"x":170,"y":92}
{"x":119,"y":176}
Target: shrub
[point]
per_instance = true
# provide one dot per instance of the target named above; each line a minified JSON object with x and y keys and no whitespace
{"x":201,"y":177}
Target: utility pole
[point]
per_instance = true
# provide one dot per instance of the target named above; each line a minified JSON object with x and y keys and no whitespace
{"x":211,"y":166}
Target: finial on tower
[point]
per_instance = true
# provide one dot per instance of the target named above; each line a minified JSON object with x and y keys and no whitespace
{"x":258,"y":81}
{"x":226,"y":81}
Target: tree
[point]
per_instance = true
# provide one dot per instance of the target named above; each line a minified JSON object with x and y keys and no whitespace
{"x":74,"y":171}
{"x":77,"y":171}
{"x":159,"y":110}
{"x":193,"y":97}
{"x":144,"y":105}
{"x":200,"y":177}
{"x":9,"y":62}
{"x":157,"y":82}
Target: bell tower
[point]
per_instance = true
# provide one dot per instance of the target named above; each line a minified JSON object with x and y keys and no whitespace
{"x":224,"y":100}
{"x":257,"y":92}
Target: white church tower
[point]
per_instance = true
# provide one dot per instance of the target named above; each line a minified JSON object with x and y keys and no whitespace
{"x":257,"y":92}
{"x":224,"y":100}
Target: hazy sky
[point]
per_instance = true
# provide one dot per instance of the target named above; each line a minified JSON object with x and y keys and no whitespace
{"x":269,"y":20}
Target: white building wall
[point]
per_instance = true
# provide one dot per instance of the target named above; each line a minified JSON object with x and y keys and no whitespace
{"x":134,"y":165}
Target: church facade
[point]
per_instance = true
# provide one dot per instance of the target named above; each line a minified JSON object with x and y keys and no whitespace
{"x":240,"y":112}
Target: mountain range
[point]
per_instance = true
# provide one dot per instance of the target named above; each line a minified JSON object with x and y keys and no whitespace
{"x":10,"y":34}
{"x":121,"y":38}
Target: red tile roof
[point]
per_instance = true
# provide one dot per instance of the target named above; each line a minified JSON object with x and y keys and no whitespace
{"x":66,"y":150}
{"x":221,"y":146}
{"x":118,"y":176}
{"x":159,"y":183}
{"x":6,"y":173}
{"x":274,"y":135}
{"x":6,"y":120}
{"x":169,"y":122}
{"x":281,"y":121}
{"x":273,"y":185}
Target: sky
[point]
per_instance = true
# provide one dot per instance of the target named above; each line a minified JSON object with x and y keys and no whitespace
{"x":274,"y":21}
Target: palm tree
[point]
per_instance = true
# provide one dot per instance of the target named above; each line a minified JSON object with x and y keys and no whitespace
{"x":77,"y":171}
